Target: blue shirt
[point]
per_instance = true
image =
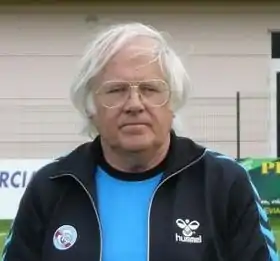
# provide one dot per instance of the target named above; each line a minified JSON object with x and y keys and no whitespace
{"x":123,"y":209}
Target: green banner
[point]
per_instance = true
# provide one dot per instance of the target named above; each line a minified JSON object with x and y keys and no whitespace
{"x":265,"y":175}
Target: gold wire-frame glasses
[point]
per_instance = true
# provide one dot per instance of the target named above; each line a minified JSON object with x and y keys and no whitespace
{"x":115,"y":93}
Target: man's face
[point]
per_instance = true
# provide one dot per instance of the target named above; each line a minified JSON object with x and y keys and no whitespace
{"x":135,"y":124}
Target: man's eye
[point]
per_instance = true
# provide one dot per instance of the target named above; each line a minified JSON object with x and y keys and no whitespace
{"x":149,"y":88}
{"x":116,"y":89}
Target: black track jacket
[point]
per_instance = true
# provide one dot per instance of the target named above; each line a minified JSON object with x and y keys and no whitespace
{"x":204,"y":209}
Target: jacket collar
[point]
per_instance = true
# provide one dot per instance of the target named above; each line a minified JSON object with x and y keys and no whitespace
{"x":82,"y":162}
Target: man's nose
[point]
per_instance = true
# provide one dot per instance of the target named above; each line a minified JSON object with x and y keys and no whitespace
{"x":134,"y":102}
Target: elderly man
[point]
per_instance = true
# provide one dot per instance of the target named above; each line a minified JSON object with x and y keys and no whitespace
{"x":138,"y":192}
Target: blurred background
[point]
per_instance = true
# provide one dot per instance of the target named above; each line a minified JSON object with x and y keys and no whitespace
{"x":231,"y":50}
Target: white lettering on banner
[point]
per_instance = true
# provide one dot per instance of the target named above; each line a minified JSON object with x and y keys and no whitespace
{"x":14,"y":177}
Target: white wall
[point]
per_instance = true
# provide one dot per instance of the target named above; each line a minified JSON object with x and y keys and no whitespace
{"x":225,"y":50}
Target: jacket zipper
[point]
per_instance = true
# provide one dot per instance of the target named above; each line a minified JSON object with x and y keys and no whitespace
{"x":150,"y":206}
{"x":157,"y":188}
{"x":93,"y":205}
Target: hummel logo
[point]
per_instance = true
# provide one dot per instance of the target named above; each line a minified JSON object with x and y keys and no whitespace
{"x":188,"y":231}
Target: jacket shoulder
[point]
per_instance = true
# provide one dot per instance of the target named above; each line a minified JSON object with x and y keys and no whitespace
{"x":226,"y":167}
{"x":45,"y":191}
{"x":46,"y":171}
{"x":57,"y":166}
{"x":40,"y":185}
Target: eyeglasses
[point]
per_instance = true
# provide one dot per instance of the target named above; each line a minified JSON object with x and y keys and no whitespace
{"x":116,"y":93}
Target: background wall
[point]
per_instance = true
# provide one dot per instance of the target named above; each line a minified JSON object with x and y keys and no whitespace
{"x":225,"y":49}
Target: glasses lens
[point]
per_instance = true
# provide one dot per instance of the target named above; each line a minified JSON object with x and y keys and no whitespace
{"x":113,"y":94}
{"x":116,"y":93}
{"x":156,"y":92}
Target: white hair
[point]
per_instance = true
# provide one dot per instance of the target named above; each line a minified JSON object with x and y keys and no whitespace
{"x":105,"y":45}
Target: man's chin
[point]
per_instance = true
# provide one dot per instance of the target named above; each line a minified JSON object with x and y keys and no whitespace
{"x":136,"y":144}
